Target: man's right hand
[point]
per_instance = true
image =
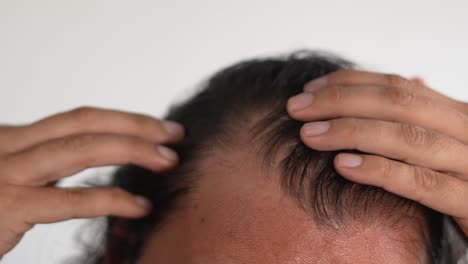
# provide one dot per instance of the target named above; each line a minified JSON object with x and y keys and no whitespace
{"x":34,"y":156}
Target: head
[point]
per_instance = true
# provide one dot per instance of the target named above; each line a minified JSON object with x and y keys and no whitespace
{"x":247,"y":190}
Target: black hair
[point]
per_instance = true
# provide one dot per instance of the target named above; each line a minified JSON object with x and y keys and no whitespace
{"x":251,"y":96}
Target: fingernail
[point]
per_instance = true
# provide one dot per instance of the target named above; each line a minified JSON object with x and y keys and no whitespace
{"x":143,"y":202}
{"x":316,"y":84}
{"x":173,"y":128}
{"x":300,"y":101}
{"x":316,"y":128}
{"x":167,"y":153}
{"x":349,"y":160}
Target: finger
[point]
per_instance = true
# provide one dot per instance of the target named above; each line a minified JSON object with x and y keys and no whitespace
{"x":49,"y":205}
{"x":418,"y":80}
{"x":62,"y":157}
{"x":429,"y":92}
{"x":404,"y":142}
{"x":9,"y":136}
{"x":378,"y":102}
{"x":438,"y":191}
{"x":353,"y":78}
{"x":463,"y":224}
{"x":94,"y":120}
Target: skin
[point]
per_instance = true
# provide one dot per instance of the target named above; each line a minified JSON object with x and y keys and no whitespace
{"x":237,"y":214}
{"x":420,"y":155}
{"x":33,"y":157}
{"x":416,"y":138}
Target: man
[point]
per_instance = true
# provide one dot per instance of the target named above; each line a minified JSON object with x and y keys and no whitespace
{"x":256,"y":185}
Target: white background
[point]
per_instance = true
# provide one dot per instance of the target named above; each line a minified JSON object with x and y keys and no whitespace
{"x":141,"y":55}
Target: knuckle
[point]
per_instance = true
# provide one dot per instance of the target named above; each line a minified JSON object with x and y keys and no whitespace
{"x":417,"y":136}
{"x":336,"y":93}
{"x":425,"y":181}
{"x":354,"y":126}
{"x":394,"y":80}
{"x":400,"y":96}
{"x":83,"y":114}
{"x":386,"y":170}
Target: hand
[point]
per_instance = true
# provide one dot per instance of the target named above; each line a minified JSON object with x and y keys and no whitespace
{"x":417,"y":139}
{"x":34,"y":156}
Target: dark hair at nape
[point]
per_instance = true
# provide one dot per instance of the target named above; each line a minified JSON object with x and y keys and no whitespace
{"x":228,"y":99}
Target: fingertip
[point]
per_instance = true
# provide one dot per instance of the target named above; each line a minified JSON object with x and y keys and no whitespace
{"x":316,"y":84}
{"x":313,"y":129}
{"x":347,"y":164}
{"x":288,"y":107}
{"x":348,"y":160}
{"x":355,"y":167}
{"x":299,"y":102}
{"x":141,"y":207}
{"x":167,"y":157}
{"x":122,"y":203}
{"x":135,"y":207}
{"x":144,"y":203}
{"x":176,"y":131}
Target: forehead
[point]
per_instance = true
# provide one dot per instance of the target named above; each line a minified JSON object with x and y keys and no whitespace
{"x":237,"y":214}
